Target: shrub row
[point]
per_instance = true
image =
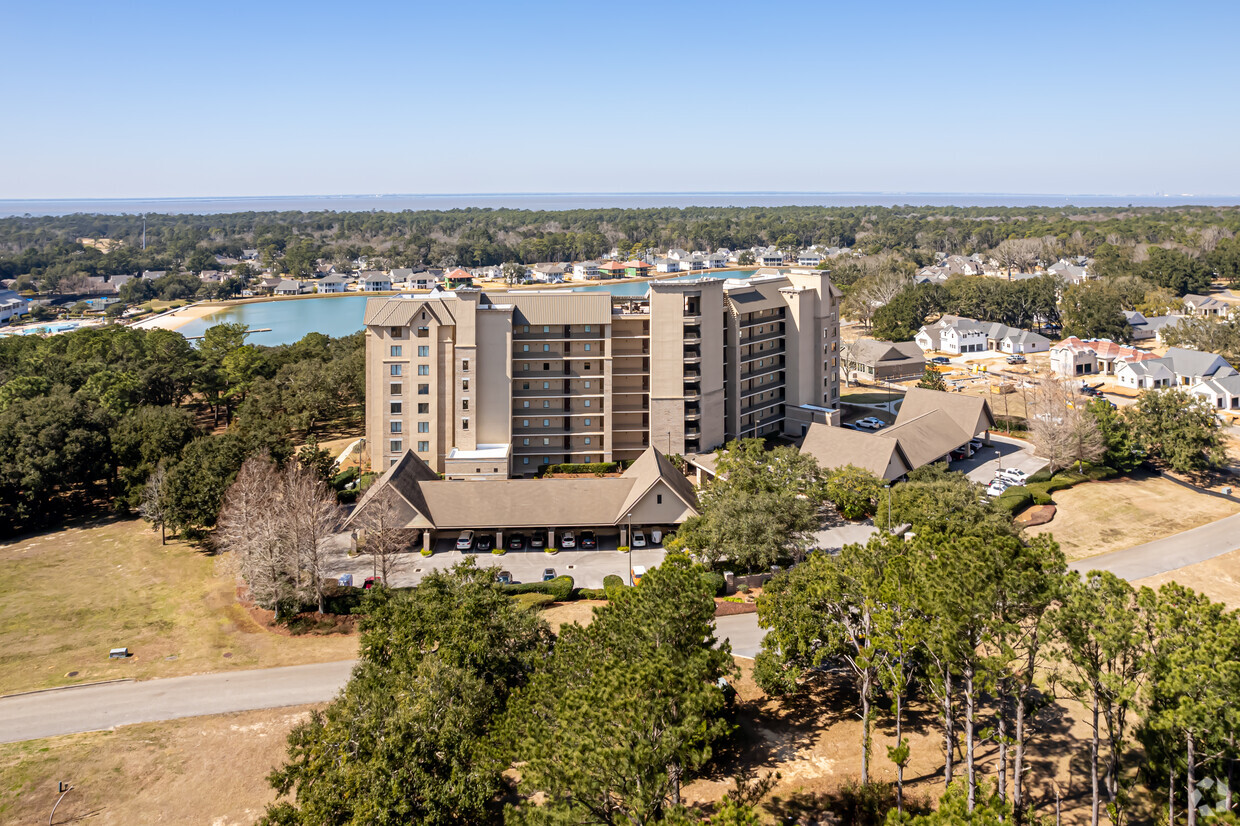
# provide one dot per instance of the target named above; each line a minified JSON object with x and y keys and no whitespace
{"x":1042,"y":484}
{"x":584,"y":467}
{"x":561,"y":588}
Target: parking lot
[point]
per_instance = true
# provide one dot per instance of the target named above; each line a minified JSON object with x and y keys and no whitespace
{"x":1005,"y":453}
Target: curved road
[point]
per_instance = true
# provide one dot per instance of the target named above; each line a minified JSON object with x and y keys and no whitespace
{"x":96,"y":707}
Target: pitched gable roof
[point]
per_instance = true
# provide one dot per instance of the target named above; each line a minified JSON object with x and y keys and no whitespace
{"x":838,"y":446}
{"x":649,"y":469}
{"x":970,"y":413}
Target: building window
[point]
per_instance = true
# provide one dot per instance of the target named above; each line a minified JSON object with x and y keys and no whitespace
{"x":546,"y":365}
{"x":546,"y":442}
{"x":395,"y":351}
{"x":525,"y":404}
{"x":546,"y":404}
{"x":424,"y":427}
{"x":392,"y":461}
{"x":464,"y":424}
{"x":587,"y":422}
{"x":525,"y":348}
{"x":464,"y":384}
{"x":424,"y":389}
{"x":424,"y":332}
{"x":587,"y":385}
{"x":658,"y":499}
{"x":587,"y":348}
{"x":525,"y":365}
{"x":464,"y":365}
{"x":525,"y":460}
{"x":587,"y":365}
{"x":546,"y":423}
{"x":546,"y":348}
{"x":587,"y":440}
{"x":546,"y":385}
{"x":423,"y":350}
{"x":546,"y":329}
{"x":525,"y":422}
{"x":587,"y":328}
{"x":587,"y":402}
{"x":546,"y":460}
{"x":394,"y":369}
{"x":394,"y":332}
{"x":424,"y":407}
{"x":395,"y":389}
{"x":464,"y":404}
{"x":394,"y":446}
{"x":396,"y":408}
{"x":423,"y":447}
{"x":525,"y":441}
{"x":525,"y":328}
{"x":424,"y":369}
{"x":394,"y":427}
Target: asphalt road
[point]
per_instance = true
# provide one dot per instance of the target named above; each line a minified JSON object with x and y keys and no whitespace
{"x":97,"y":707}
{"x":92,"y":708}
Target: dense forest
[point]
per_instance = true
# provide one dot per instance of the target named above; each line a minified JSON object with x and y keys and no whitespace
{"x":48,"y":250}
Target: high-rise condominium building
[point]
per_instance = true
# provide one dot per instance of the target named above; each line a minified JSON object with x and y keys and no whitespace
{"x":488,"y":385}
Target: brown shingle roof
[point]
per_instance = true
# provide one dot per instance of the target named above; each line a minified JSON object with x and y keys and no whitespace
{"x":836,"y":447}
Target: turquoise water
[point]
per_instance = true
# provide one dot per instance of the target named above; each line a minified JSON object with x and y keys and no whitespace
{"x":636,"y":288}
{"x":340,"y":315}
{"x":289,"y":320}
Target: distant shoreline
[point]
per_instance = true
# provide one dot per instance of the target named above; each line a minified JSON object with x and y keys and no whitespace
{"x":559,"y":201}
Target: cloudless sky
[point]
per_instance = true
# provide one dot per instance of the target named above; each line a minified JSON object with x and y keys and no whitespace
{"x":143,"y":99}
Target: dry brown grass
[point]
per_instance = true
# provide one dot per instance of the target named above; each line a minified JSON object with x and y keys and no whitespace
{"x":1217,"y":578}
{"x":1099,"y":517}
{"x":69,"y":596}
{"x":204,"y":770}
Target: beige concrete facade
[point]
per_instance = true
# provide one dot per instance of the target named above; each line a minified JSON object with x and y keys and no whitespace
{"x":587,"y":377}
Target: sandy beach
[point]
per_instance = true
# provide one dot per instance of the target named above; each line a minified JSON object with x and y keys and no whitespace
{"x":178,"y":318}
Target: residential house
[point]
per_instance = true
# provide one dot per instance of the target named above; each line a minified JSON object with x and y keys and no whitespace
{"x":611,"y":269}
{"x":1072,"y":272}
{"x":695,"y":262}
{"x":287,"y":286}
{"x":12,"y":306}
{"x":1073,"y":357}
{"x":225,"y":262}
{"x":666,"y":265}
{"x":1192,"y":367}
{"x":769,"y":257}
{"x":636,"y":269}
{"x":1149,"y":374}
{"x":373,"y":281}
{"x":1147,"y":328}
{"x":249,"y":255}
{"x":1222,"y":393}
{"x":884,"y":360}
{"x":718,"y":260}
{"x":458,"y":278}
{"x":678,"y":254}
{"x":151,"y":275}
{"x":956,"y":335}
{"x":268,"y":284}
{"x":334,"y":283}
{"x":1206,"y":307}
{"x":549,"y":273}
{"x":115,"y":282}
{"x":809,"y":258}
{"x":586,"y":269}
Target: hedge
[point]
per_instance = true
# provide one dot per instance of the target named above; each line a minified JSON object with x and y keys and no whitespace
{"x":1038,"y":490}
{"x":716,"y":581}
{"x":583,"y":467}
{"x":561,"y":588}
{"x":1015,"y":498}
{"x":344,"y":477}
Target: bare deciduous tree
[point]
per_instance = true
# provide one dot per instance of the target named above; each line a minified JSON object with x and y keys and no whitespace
{"x":311,"y":515}
{"x":251,"y":527}
{"x":153,"y":505}
{"x":386,"y":535}
{"x":1062,"y":429}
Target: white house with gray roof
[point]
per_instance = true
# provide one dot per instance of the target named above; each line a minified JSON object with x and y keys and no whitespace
{"x":956,"y":335}
{"x":1222,"y":393}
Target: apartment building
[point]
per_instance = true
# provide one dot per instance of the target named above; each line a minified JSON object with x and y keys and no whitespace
{"x":491,"y":385}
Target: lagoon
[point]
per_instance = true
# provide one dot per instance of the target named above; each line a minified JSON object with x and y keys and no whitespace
{"x":340,"y":315}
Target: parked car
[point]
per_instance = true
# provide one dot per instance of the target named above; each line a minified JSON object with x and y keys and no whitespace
{"x":516,"y":542}
{"x":637,"y":572}
{"x":372,"y":581}
{"x":465,"y":542}
{"x":975,"y":445}
{"x":850,"y":426}
{"x":639,"y":540}
{"x":484,"y":542}
{"x":538,"y":541}
{"x":548,"y":574}
{"x":656,"y":537}
{"x":503,"y":578}
{"x":568,"y":540}
{"x":940,"y":360}
{"x":871,"y":423}
{"x":958,"y":454}
{"x":1017,"y":359}
{"x":588,"y":541}
{"x":996,"y":487}
{"x":1013,"y":476}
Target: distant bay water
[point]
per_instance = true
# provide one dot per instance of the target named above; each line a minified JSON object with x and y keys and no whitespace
{"x":600,"y":200}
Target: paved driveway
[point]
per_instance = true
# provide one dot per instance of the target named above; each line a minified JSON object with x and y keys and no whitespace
{"x":1002,"y":452}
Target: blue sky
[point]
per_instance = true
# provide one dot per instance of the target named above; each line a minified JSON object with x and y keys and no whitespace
{"x":139,"y":99}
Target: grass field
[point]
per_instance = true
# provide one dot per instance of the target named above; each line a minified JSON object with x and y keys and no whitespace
{"x":1100,"y":517}
{"x":69,"y":596}
{"x":1217,"y":578}
{"x":205,"y":770}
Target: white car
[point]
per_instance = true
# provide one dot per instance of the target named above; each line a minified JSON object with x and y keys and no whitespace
{"x":996,"y":487}
{"x":871,"y":423}
{"x":568,"y":540}
{"x":465,"y":542}
{"x":1013,"y":476}
{"x":639,"y":539}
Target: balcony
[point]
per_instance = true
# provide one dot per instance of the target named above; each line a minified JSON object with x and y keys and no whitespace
{"x":692,"y":412}
{"x":629,"y":352}
{"x":693,"y":355}
{"x":762,"y":371}
{"x":760,"y":354}
{"x":692,"y":432}
{"x":746,"y":340}
{"x":762,"y":388}
{"x":554,"y":335}
{"x":762,"y":405}
{"x":777,"y":317}
{"x":558,"y":393}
